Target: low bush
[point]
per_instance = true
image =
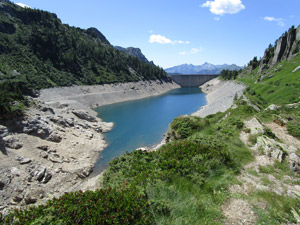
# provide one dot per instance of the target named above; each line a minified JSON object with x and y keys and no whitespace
{"x":183,"y":127}
{"x":193,"y":159}
{"x":105,"y":206}
{"x":293,"y":128}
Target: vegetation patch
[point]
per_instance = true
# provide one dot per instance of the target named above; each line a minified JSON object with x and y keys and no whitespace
{"x":105,"y":206}
{"x":293,"y":128}
{"x":183,"y":127}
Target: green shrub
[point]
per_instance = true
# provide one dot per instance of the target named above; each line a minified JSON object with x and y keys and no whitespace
{"x":183,"y":127}
{"x":293,"y":128}
{"x":105,"y":206}
{"x":194,"y":159}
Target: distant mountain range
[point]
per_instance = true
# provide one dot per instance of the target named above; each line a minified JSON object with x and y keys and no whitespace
{"x":205,"y":68}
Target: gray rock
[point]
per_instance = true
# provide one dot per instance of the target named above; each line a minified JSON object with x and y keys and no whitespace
{"x":84,"y":125}
{"x":18,"y":198}
{"x":81,"y":114}
{"x":46,"y":178}
{"x":43,"y":147}
{"x":295,"y":70}
{"x":5,"y":179}
{"x":12,"y":142}
{"x":277,"y":155}
{"x":3,"y":131}
{"x":30,"y":199}
{"x":44,"y":155}
{"x":15,"y":171}
{"x":294,"y":161}
{"x":25,"y":161}
{"x":273,"y":107}
{"x":70,"y":122}
{"x":37,"y":126}
{"x":40,"y":173}
{"x":62,"y":121}
{"x":84,"y":172}
{"x":55,"y":158}
{"x":54,"y":137}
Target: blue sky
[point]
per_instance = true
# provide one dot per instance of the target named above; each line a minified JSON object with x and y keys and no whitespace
{"x":173,"y":32}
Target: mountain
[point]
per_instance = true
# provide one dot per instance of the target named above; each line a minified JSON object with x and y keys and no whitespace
{"x":136,"y":52}
{"x":205,"y":68}
{"x":44,"y":52}
{"x":38,"y":51}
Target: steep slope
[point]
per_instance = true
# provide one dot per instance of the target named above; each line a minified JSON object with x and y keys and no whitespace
{"x":37,"y":51}
{"x":134,"y":52}
{"x":275,"y":78}
{"x":37,"y":48}
{"x":205,"y":68}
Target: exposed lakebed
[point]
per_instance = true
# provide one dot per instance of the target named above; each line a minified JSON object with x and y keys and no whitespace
{"x":142,"y":123}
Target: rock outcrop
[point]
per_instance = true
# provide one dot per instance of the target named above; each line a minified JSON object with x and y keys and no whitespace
{"x":286,"y":47}
{"x":47,"y":152}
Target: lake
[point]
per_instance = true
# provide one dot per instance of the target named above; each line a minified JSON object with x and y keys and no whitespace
{"x":142,"y":123}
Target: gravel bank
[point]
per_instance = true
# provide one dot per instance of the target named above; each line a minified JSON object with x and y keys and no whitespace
{"x":219,"y":96}
{"x":88,"y":97}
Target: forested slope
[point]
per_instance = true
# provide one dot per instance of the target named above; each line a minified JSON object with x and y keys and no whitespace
{"x":38,"y":51}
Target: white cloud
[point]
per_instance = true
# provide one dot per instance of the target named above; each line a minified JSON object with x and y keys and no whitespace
{"x":192,"y":51}
{"x":222,"y":7}
{"x":279,"y":21}
{"x":195,"y":50}
{"x":23,"y":5}
{"x":163,"y":40}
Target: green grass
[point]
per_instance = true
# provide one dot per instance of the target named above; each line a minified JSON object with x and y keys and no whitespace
{"x":282,"y":88}
{"x":278,"y":210}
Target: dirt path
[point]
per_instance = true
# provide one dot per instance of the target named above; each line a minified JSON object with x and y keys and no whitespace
{"x":282,"y":133}
{"x":240,"y":208}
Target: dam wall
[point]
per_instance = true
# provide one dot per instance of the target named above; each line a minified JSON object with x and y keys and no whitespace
{"x":193,"y":80}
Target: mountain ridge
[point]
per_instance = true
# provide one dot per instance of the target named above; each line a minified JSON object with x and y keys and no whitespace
{"x":133,"y":52}
{"x":205,"y":68}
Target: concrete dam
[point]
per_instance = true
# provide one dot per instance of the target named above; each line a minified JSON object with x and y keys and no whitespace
{"x":193,"y":80}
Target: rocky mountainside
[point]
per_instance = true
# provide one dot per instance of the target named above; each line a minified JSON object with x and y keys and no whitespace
{"x":206,"y":68}
{"x":286,"y":47}
{"x":133,"y":52}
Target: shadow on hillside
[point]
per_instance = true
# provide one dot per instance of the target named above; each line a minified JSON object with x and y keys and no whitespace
{"x":2,"y":146}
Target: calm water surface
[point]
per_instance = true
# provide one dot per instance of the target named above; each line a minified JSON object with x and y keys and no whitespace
{"x":143,"y":122}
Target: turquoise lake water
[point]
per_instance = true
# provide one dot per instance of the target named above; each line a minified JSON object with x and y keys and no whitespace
{"x":143,"y":122}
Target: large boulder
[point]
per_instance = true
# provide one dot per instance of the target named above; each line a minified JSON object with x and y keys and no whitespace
{"x":294,"y":161}
{"x":81,"y":114}
{"x":37,"y":126}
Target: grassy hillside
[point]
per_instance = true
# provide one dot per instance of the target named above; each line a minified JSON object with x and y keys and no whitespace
{"x":277,"y":85}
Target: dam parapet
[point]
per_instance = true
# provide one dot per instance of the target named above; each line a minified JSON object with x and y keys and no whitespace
{"x":192,"y":80}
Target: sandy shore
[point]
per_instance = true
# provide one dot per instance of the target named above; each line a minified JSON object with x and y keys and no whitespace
{"x":219,"y":96}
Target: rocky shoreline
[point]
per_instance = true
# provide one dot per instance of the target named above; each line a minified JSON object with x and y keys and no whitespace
{"x":219,"y":96}
{"x":53,"y":147}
